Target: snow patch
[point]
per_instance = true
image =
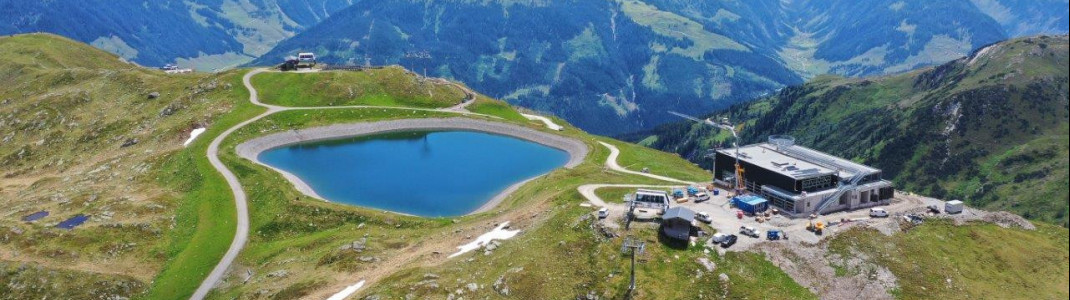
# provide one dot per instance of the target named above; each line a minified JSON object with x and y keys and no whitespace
{"x":193,"y":135}
{"x":346,"y":292}
{"x":499,"y":233}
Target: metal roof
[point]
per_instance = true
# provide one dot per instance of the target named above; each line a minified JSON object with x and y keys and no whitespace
{"x":679,"y":212}
{"x":752,"y":199}
{"x":797,"y":162}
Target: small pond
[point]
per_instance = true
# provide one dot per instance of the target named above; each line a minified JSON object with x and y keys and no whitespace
{"x":423,"y":173}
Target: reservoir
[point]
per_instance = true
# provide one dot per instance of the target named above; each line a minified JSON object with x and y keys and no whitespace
{"x":422,"y":173}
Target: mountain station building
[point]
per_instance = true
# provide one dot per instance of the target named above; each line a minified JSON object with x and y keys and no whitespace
{"x":802,"y":181}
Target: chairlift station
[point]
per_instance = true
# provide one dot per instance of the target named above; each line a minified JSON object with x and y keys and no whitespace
{"x":802,"y":181}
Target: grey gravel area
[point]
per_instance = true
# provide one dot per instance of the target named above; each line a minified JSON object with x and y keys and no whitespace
{"x":251,"y":149}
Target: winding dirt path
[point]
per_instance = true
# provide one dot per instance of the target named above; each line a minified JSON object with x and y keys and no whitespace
{"x":611,"y":163}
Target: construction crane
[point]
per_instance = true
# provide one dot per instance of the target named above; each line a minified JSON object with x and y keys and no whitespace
{"x":723,"y":125}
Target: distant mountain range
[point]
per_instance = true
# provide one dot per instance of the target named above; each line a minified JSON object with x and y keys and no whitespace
{"x":991,"y":129}
{"x":607,"y":66}
{"x":204,"y":34}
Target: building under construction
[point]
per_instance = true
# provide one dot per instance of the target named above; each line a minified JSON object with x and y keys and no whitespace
{"x":802,"y":181}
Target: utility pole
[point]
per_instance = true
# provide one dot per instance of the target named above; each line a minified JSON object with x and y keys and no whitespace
{"x":634,"y":246}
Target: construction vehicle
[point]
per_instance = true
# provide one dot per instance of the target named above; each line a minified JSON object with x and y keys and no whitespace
{"x":772,"y":235}
{"x":816,"y":227}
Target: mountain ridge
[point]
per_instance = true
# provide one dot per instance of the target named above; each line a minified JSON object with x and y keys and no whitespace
{"x":618,"y":65}
{"x":989,"y":128}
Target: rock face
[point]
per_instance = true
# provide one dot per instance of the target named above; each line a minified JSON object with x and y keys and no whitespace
{"x":279,"y":274}
{"x":358,"y":245}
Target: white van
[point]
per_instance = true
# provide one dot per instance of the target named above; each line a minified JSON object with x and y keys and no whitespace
{"x":701,"y":197}
{"x":878,"y":212}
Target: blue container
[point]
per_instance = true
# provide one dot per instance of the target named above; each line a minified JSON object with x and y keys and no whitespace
{"x":716,"y":192}
{"x":750,"y":204}
{"x":692,"y":190}
{"x":73,"y":221}
{"x":35,"y":216}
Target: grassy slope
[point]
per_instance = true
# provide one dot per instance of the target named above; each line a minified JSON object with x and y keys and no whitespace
{"x":67,"y":108}
{"x":633,"y":157}
{"x":391,"y":86}
{"x":613,"y":194}
{"x":1007,"y":151}
{"x":566,"y":258}
{"x":488,"y":106}
{"x":301,"y":235}
{"x":939,"y":260}
{"x":206,"y":217}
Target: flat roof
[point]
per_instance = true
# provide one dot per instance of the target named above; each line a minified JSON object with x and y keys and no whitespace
{"x":769,"y":159}
{"x":797,"y":162}
{"x":752,"y":199}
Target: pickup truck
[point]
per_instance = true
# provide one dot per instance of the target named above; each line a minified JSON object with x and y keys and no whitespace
{"x":748,"y":231}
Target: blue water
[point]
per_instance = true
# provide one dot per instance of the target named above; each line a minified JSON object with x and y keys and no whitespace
{"x":431,"y":174}
{"x":73,"y":221}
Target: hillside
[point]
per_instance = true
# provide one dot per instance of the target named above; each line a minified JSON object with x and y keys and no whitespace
{"x":198,"y":34}
{"x":990,"y":128}
{"x":617,"y":66}
{"x":86,"y":133}
{"x":609,"y":67}
{"x":83,"y":135}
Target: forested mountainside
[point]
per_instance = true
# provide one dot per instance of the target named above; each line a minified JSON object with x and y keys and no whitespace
{"x":1027,"y":17}
{"x":608,"y":66}
{"x":991,"y":128}
{"x":616,"y":66}
{"x":206,"y":34}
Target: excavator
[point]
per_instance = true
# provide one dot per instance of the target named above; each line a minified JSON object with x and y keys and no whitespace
{"x":817,"y":227}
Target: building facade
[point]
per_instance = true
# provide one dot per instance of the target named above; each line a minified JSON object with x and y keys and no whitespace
{"x":802,"y":181}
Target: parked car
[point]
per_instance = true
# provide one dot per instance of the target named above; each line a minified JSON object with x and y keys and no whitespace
{"x":701,"y":197}
{"x":935,"y":209}
{"x":718,"y":238}
{"x":878,"y":212}
{"x":703,"y":217}
{"x":748,"y":231}
{"x":603,"y":213}
{"x":729,"y":241}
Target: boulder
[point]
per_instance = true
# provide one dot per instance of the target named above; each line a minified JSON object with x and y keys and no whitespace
{"x":128,"y":142}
